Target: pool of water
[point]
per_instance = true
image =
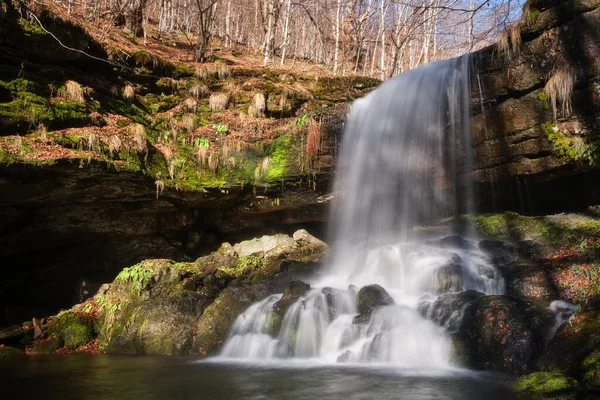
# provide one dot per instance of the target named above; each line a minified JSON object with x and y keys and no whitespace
{"x":144,"y":377}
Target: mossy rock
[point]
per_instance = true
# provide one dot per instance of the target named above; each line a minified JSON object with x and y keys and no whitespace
{"x":547,"y":385}
{"x":372,"y":296}
{"x":591,"y":368}
{"x":10,"y":353}
{"x":74,"y":328}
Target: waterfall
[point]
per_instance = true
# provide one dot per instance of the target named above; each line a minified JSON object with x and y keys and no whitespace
{"x":405,"y":161}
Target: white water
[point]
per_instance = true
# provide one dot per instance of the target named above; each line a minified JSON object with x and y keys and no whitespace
{"x":405,"y":161}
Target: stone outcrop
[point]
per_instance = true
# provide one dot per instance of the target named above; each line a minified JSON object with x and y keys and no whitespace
{"x":187,"y":308}
{"x":527,"y":153}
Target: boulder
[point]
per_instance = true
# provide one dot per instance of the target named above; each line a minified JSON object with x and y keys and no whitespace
{"x":368,"y":299}
{"x":504,"y":333}
{"x":292,"y":292}
{"x":448,"y":278}
{"x":531,"y":281}
{"x":75,"y":329}
{"x":447,"y":310}
{"x":263,"y":244}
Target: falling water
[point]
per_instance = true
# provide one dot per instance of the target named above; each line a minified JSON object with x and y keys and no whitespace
{"x":405,"y":161}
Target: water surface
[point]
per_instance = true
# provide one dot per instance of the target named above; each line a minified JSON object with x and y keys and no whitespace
{"x":145,"y":377}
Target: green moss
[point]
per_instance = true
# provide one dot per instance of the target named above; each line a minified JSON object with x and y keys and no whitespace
{"x":549,"y":385}
{"x":533,"y":14}
{"x":279,"y":152}
{"x":187,"y":267}
{"x":74,"y":328}
{"x":138,"y":276}
{"x":31,"y":28}
{"x":183,"y":71}
{"x":571,"y":148}
{"x":273,"y":324}
{"x":591,"y":368}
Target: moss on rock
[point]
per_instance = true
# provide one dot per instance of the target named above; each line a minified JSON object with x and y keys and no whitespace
{"x":547,"y":385}
{"x":74,"y":328}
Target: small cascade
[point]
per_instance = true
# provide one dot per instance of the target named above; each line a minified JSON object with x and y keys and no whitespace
{"x":405,"y":161}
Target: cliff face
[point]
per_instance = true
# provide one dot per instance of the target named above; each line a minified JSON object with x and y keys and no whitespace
{"x":104,"y":164}
{"x":536,"y":100}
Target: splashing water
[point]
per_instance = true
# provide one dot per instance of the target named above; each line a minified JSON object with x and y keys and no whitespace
{"x":405,"y":160}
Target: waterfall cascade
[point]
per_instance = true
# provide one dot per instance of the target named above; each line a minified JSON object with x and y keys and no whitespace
{"x":405,"y":161}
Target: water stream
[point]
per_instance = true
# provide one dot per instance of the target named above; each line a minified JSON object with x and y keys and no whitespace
{"x":405,"y":161}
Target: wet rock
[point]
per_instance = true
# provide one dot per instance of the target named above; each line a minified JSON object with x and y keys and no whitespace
{"x":371,"y":297}
{"x":48,"y":346}
{"x":293,"y":291}
{"x":447,"y":310}
{"x":368,"y":299}
{"x":491,"y":246}
{"x":504,"y":333}
{"x":456,"y":241}
{"x":448,"y":278}
{"x":218,"y":318}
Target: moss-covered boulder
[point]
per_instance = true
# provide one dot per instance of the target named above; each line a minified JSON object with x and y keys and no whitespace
{"x":504,"y":333}
{"x":148,"y":310}
{"x":547,"y":385}
{"x":75,"y":329}
{"x":166,"y":307}
{"x":591,"y":370}
{"x":372,"y":296}
{"x":368,"y":299}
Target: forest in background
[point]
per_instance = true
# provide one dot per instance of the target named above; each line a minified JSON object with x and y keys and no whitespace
{"x":378,"y":38}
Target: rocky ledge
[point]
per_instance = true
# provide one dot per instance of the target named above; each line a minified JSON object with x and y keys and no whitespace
{"x":164,"y":307}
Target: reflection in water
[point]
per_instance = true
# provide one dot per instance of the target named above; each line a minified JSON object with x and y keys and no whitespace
{"x":122,"y":377}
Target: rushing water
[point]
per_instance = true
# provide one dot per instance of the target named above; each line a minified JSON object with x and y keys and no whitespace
{"x":165,"y":378}
{"x":405,"y":160}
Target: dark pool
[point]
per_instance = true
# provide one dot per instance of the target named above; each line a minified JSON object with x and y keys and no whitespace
{"x":121,"y":377}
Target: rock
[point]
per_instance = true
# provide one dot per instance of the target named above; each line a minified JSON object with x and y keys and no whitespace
{"x":262,"y":244}
{"x":293,"y":291}
{"x":547,"y":385}
{"x":447,"y":310}
{"x":217,"y":319}
{"x":307,"y":240}
{"x":591,"y":370}
{"x":504,"y":333}
{"x":48,"y":346}
{"x":371,"y":297}
{"x":572,"y":343}
{"x":491,"y":246}
{"x":73,"y":328}
{"x":530,"y":282}
{"x":448,"y":278}
{"x":15,"y":335}
{"x":7,"y":353}
{"x":456,"y":241}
